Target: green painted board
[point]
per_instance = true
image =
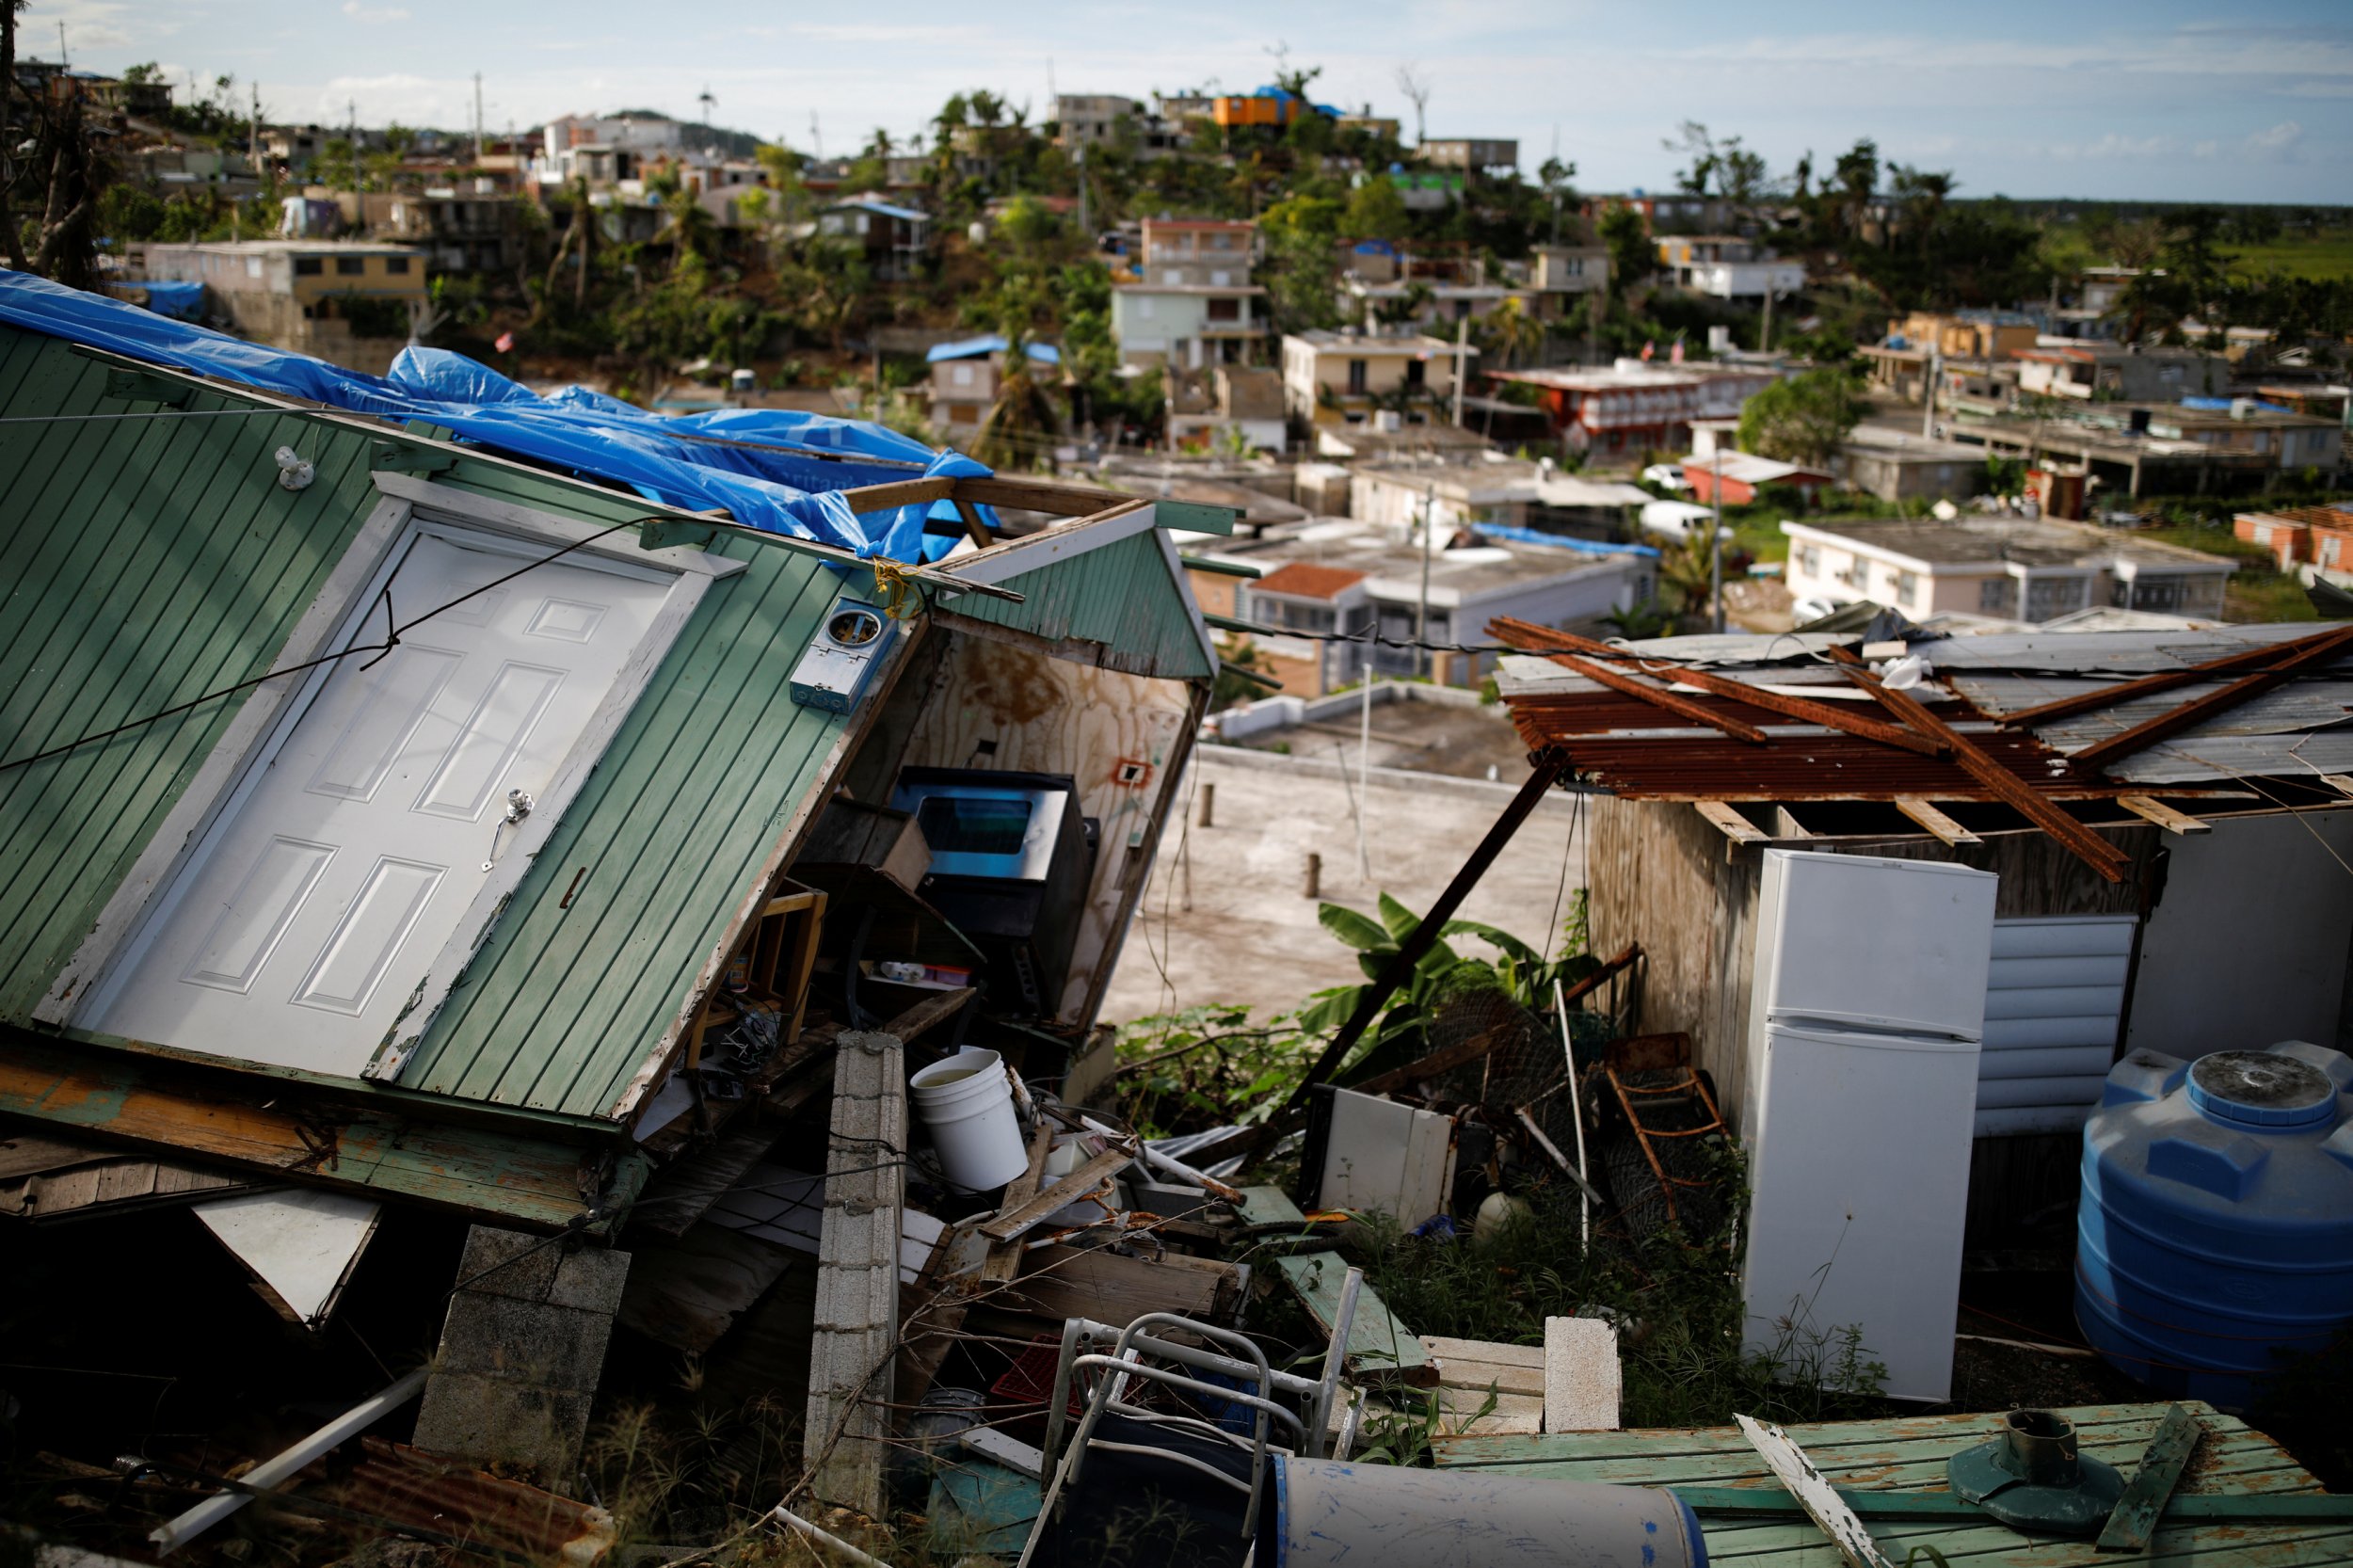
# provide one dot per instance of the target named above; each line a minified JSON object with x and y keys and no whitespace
{"x":2135,"y":1517}
{"x":1270,"y":1206}
{"x":1127,"y":594}
{"x":1906,"y":1455}
{"x":1380,"y":1349}
{"x":1194,"y":517}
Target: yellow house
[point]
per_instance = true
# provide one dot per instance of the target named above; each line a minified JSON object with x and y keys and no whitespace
{"x":338,"y":299}
{"x":1340,"y":377}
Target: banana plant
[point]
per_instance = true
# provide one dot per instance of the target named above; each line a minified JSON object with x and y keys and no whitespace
{"x":1518,"y":970}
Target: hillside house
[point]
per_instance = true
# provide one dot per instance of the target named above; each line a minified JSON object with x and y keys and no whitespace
{"x":2118,"y":373}
{"x":2032,"y":571}
{"x":1726,"y":266}
{"x":1186,"y":299}
{"x":891,"y":236}
{"x":1744,"y":477}
{"x":342,"y":300}
{"x":1471,"y":154}
{"x":1897,"y":465}
{"x":965,"y":375}
{"x":2318,"y":539}
{"x":1338,"y":377}
{"x":1635,"y":407}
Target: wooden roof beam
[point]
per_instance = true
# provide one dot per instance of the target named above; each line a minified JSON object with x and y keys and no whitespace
{"x":1658,"y":696}
{"x":2301,"y":651}
{"x":1547,"y":641}
{"x":2163,"y":815}
{"x":1940,"y":827}
{"x":2198,"y":709}
{"x":2007,"y":787}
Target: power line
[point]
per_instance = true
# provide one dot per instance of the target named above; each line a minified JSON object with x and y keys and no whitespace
{"x":391,"y":640}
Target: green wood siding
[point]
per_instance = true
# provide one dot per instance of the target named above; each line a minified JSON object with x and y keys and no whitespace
{"x":1122,"y":595}
{"x":147,"y":561}
{"x":1908,"y":1454}
{"x":562,"y":1006}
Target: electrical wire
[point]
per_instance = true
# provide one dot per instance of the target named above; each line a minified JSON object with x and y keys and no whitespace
{"x":391,"y":640}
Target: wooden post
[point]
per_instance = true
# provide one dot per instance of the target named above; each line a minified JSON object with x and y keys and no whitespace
{"x":1209,"y":803}
{"x":1314,"y":887}
{"x":847,"y":1433}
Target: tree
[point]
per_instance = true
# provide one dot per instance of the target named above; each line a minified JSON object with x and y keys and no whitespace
{"x":1375,"y":210}
{"x":1692,"y":140}
{"x":1417,"y":92}
{"x":10,"y":241}
{"x":1512,"y":330}
{"x":1633,"y":255}
{"x":1804,"y":420}
{"x":1303,"y":233}
{"x":1554,"y":177}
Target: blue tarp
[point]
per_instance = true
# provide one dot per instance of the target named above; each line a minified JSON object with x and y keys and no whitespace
{"x":1508,"y":534}
{"x":182,"y":301}
{"x":972,"y":348}
{"x":761,"y":483}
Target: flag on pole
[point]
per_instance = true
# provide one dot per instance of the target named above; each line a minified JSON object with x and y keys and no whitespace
{"x":1674,"y":355}
{"x":506,"y":344}
{"x":1648,"y":350}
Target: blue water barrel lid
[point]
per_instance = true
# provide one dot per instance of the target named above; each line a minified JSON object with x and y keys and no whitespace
{"x":2259,"y":1088}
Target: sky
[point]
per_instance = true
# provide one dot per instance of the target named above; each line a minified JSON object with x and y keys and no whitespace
{"x":2244,"y":101}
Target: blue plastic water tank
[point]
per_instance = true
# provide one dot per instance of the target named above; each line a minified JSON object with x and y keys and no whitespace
{"x":2216,"y":1223}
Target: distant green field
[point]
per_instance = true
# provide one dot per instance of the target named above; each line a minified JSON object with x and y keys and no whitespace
{"x":2327,"y":255}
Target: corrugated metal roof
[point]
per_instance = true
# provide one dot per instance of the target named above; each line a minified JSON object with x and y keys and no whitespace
{"x":1640,"y":750}
{"x":150,"y":562}
{"x":1127,"y":594}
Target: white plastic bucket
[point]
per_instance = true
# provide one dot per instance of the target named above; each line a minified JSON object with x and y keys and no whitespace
{"x":967,"y":1105}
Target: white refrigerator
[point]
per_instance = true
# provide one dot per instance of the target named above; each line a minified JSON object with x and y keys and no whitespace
{"x":1867,"y":1011}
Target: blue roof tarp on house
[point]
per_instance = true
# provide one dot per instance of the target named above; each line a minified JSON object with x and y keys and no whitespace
{"x":883,"y":209}
{"x":768,"y":468}
{"x":974,"y":348}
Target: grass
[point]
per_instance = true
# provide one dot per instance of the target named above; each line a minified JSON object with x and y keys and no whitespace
{"x":2326,"y":256}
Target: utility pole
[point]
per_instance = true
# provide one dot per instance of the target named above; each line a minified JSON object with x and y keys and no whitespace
{"x":351,"y":108}
{"x":1086,"y":230}
{"x":477,"y":119}
{"x":1421,"y":608}
{"x":1764,"y":338}
{"x":1716,"y":538}
{"x":1928,"y":391}
{"x":1462,"y":351}
{"x":253,"y":133}
{"x":62,"y":61}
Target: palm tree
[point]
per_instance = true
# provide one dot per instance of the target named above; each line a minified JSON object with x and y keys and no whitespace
{"x":1023,"y":416}
{"x":1512,"y":330}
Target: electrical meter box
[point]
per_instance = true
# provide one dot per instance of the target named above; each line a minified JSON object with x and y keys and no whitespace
{"x":842,"y":658}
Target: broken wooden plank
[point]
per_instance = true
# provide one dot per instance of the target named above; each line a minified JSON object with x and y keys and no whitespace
{"x":1382,"y":1352}
{"x":1015,"y":1219}
{"x":1002,"y":1262}
{"x":1548,"y":640}
{"x":2013,"y":792}
{"x":899,"y":493}
{"x":974,"y":528}
{"x":1819,"y":1498}
{"x":2152,"y":809}
{"x":1270,"y":1206}
{"x":1940,"y":827}
{"x":1486,"y":1364}
{"x":2302,"y":651}
{"x":928,"y":1015}
{"x":1658,"y":696}
{"x":1583,"y":1380}
{"x":1731,"y":823}
{"x":847,"y":1430}
{"x":1038,"y":495}
{"x":2134,"y":1520}
{"x":1445,"y":1060}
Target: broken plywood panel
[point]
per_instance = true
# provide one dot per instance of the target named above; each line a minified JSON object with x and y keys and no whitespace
{"x":300,"y":1245}
{"x":689,"y":1292}
{"x":44,"y":1177}
{"x":1115,"y":734}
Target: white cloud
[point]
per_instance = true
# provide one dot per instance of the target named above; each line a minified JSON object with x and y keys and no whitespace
{"x":372,"y":15}
{"x":2278,"y":140}
{"x":2205,"y":150}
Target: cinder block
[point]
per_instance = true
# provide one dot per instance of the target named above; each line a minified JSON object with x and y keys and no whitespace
{"x":1582,"y":1375}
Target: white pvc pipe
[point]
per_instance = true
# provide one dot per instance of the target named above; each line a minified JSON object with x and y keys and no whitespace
{"x":1576,"y":1113}
{"x":827,"y":1539}
{"x":171,"y":1537}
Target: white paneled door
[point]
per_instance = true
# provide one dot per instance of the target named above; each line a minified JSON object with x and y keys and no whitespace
{"x":309,"y":915}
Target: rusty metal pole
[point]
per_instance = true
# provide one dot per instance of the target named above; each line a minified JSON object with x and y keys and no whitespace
{"x":1209,"y":803}
{"x":1314,"y":886}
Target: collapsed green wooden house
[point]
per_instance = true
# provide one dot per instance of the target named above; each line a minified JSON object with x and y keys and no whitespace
{"x":439,"y":921}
